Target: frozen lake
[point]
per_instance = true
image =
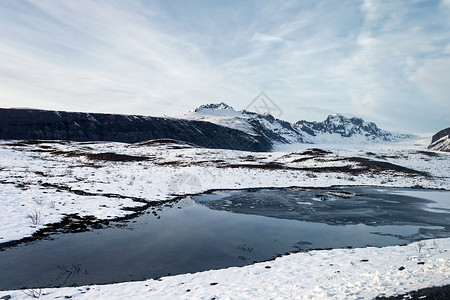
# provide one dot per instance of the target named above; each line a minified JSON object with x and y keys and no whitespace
{"x":228,"y":228}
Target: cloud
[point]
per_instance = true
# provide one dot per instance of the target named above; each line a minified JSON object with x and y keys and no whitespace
{"x":433,"y":80}
{"x":266,"y":38}
{"x":381,"y":60}
{"x":385,"y":72}
{"x":86,"y":58}
{"x":317,"y":110}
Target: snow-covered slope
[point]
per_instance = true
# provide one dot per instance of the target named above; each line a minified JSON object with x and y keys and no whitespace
{"x":277,"y":131}
{"x":441,"y":141}
{"x":222,"y":114}
{"x":335,"y":129}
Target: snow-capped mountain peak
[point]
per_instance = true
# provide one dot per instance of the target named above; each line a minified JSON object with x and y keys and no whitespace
{"x":336,"y":128}
{"x":212,"y":107}
{"x":221,"y":114}
{"x":335,"y":117}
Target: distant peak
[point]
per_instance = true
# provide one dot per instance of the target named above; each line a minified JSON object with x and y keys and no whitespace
{"x":335,"y":116}
{"x":220,"y":105}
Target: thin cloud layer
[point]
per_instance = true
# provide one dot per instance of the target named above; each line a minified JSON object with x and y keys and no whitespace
{"x":381,"y":60}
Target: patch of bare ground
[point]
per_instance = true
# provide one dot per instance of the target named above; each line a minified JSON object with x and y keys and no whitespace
{"x":298,"y":160}
{"x":215,"y":161}
{"x":70,"y":223}
{"x":308,"y":154}
{"x":427,"y":153}
{"x":172,"y":163}
{"x":86,"y":193}
{"x":265,"y":166}
{"x":170,"y":143}
{"x":24,"y":143}
{"x":110,"y":156}
{"x":87,"y":165}
{"x":377,"y":166}
{"x":363,"y":165}
{"x":315,"y":151}
{"x":103,"y":156}
{"x":384,"y":157}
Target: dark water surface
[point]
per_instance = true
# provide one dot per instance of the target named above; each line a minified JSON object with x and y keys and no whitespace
{"x":229,"y":228}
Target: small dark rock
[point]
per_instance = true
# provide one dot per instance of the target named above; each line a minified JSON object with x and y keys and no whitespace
{"x":401,"y":268}
{"x":6,"y":297}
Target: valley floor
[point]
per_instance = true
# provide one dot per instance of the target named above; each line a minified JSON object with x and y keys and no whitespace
{"x":89,"y":184}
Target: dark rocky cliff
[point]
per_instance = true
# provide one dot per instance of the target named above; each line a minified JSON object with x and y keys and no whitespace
{"x":441,"y":141}
{"x":19,"y":124}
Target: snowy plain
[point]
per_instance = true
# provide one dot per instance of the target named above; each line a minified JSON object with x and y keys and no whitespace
{"x":50,"y":180}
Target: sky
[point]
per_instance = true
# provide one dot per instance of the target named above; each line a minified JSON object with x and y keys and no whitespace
{"x":385,"y":61}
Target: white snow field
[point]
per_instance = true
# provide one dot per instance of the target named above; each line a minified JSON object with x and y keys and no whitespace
{"x":41,"y":183}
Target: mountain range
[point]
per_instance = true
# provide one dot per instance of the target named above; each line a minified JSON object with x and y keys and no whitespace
{"x":212,"y":126}
{"x":334,"y":129}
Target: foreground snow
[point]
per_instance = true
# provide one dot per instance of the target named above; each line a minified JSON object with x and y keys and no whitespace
{"x":110,"y":180}
{"x":52,"y":180}
{"x":362,"y":273}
